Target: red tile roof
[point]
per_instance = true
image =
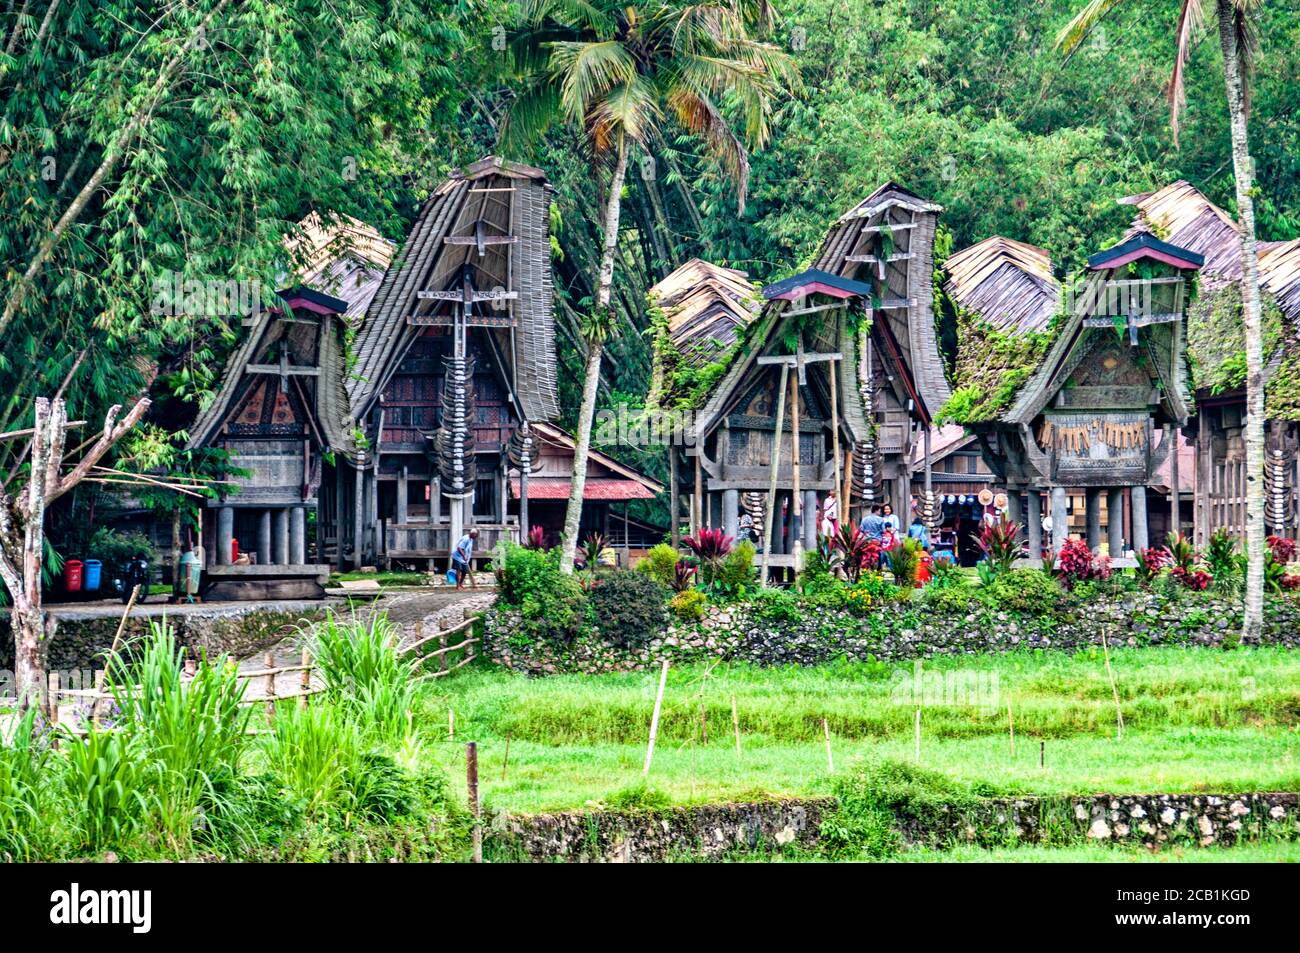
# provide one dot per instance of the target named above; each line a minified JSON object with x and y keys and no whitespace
{"x":549,"y":488}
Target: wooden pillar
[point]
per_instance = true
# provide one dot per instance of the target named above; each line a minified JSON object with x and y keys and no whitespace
{"x":402,"y":495}
{"x":435,"y":499}
{"x":456,"y":515}
{"x":697,"y":498}
{"x":358,"y":514}
{"x":1060,"y":519}
{"x":264,"y":552}
{"x":731,"y":512}
{"x":281,"y":536}
{"x":1175,"y":490}
{"x":674,"y":501}
{"x":773,"y":510}
{"x":298,"y":535}
{"x":225,"y":534}
{"x":339,"y":522}
{"x":1115,"y":521}
{"x":810,"y":527}
{"x":928,"y":469}
{"x":796,"y":498}
{"x":1199,"y":484}
{"x":1138,"y":504}
{"x":1092,"y":511}
{"x":1034,"y":505}
{"x":835,"y":434}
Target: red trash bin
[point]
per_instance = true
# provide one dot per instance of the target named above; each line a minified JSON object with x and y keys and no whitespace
{"x":72,"y":575}
{"x":234,"y":550}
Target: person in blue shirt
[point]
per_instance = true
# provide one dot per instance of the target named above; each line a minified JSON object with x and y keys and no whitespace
{"x":873,"y":524}
{"x":919,"y":533}
{"x":461,"y":557}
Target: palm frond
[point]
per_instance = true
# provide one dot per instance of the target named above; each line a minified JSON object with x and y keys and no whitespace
{"x":630,"y":110}
{"x":587,"y":71}
{"x":1191,"y":20}
{"x":698,"y":115}
{"x":572,"y":13}
{"x":1077,"y":30}
{"x":530,"y":115}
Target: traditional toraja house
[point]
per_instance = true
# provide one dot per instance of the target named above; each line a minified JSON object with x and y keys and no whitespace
{"x":847,"y":352}
{"x":280,"y":414}
{"x":703,"y":309}
{"x":456,"y":352}
{"x":1084,"y":393}
{"x":1183,"y":216}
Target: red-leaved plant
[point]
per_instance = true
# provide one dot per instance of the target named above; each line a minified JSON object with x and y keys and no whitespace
{"x":1152,"y":561}
{"x":711,"y":547}
{"x":1076,"y":563}
{"x":1197,"y":580}
{"x":857,"y":551}
{"x":536,"y":538}
{"x":1000,"y":543}
{"x":1283,"y":549}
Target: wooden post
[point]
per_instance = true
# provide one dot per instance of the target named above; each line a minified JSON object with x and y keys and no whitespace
{"x":830,"y":761}
{"x":929,"y":483}
{"x":917,"y":732}
{"x":52,"y":703}
{"x":471,"y":785}
{"x":835,"y":432}
{"x":846,"y":498}
{"x":268,"y":659}
{"x":442,"y":646}
{"x":306,"y":678}
{"x":796,"y":499}
{"x":1042,"y":753}
{"x":505,"y":761}
{"x":451,"y":724}
{"x":773,"y":513}
{"x":1176,"y":490}
{"x":704,"y":726}
{"x":735,"y":724}
{"x":654,"y":719}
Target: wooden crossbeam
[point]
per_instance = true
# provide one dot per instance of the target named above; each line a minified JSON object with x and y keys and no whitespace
{"x":800,"y":361}
{"x":473,"y":297}
{"x":876,"y":229}
{"x":472,"y":321}
{"x":485,"y":240}
{"x":873,"y":260}
{"x":290,"y":370}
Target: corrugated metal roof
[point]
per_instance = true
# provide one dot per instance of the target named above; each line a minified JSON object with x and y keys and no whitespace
{"x":1007,"y":283}
{"x":600,"y":488}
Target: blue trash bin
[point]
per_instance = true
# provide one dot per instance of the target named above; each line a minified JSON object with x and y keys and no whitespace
{"x":93,"y":570}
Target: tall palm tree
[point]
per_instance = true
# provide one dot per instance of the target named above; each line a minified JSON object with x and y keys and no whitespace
{"x":620,"y":70}
{"x":1239,"y":42}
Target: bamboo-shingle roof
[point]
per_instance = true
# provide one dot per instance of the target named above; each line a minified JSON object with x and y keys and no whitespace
{"x":341,"y":256}
{"x":492,"y":222}
{"x":707,"y":306}
{"x":1181,"y":215}
{"x":1007,"y":283}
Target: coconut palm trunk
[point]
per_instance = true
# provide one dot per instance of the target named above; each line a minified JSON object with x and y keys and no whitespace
{"x":595,"y":350}
{"x":1244,"y":173}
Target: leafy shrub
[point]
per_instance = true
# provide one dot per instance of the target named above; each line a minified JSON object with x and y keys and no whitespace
{"x":628,"y":607}
{"x":688,"y":605}
{"x":948,"y":599}
{"x":1182,"y":552}
{"x":1198,"y":580}
{"x":358,"y":662}
{"x":1024,"y":590}
{"x":736,"y":574}
{"x":776,"y":605}
{"x":660,"y":564}
{"x":638,"y":797}
{"x":116,"y":549}
{"x":592,"y":548}
{"x":684,"y":575}
{"x":875,"y":801}
{"x":552,"y":604}
{"x":1282,"y":548}
{"x":904,"y":559}
{"x":1221,"y":556}
{"x":946,"y":574}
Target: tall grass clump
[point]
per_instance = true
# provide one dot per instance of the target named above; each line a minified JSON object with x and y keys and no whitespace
{"x":358,"y":662}
{"x":23,"y":791}
{"x":112,"y":785}
{"x":192,"y":733}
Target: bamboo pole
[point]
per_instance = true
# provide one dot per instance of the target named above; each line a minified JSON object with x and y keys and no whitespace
{"x":654,"y":719}
{"x":505,"y":760}
{"x":1110,"y":674}
{"x":918,"y":736}
{"x":773,"y":513}
{"x":735,"y":724}
{"x":451,"y":724}
{"x":796,"y":501}
{"x":830,"y":761}
{"x":471,"y":786}
{"x":704,"y":726}
{"x":305,"y":684}
{"x":268,"y":660}
{"x":95,"y":712}
{"x":1011,"y":730}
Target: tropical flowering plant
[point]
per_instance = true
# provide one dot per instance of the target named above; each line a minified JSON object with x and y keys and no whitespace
{"x":1000,"y":543}
{"x":1152,"y":561}
{"x":855,"y":552}
{"x":1198,"y":580}
{"x":710,"y":547}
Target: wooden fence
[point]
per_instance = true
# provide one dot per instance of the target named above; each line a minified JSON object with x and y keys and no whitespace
{"x":445,"y":649}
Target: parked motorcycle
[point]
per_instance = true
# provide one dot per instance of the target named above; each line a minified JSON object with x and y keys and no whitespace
{"x":135,"y":574}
